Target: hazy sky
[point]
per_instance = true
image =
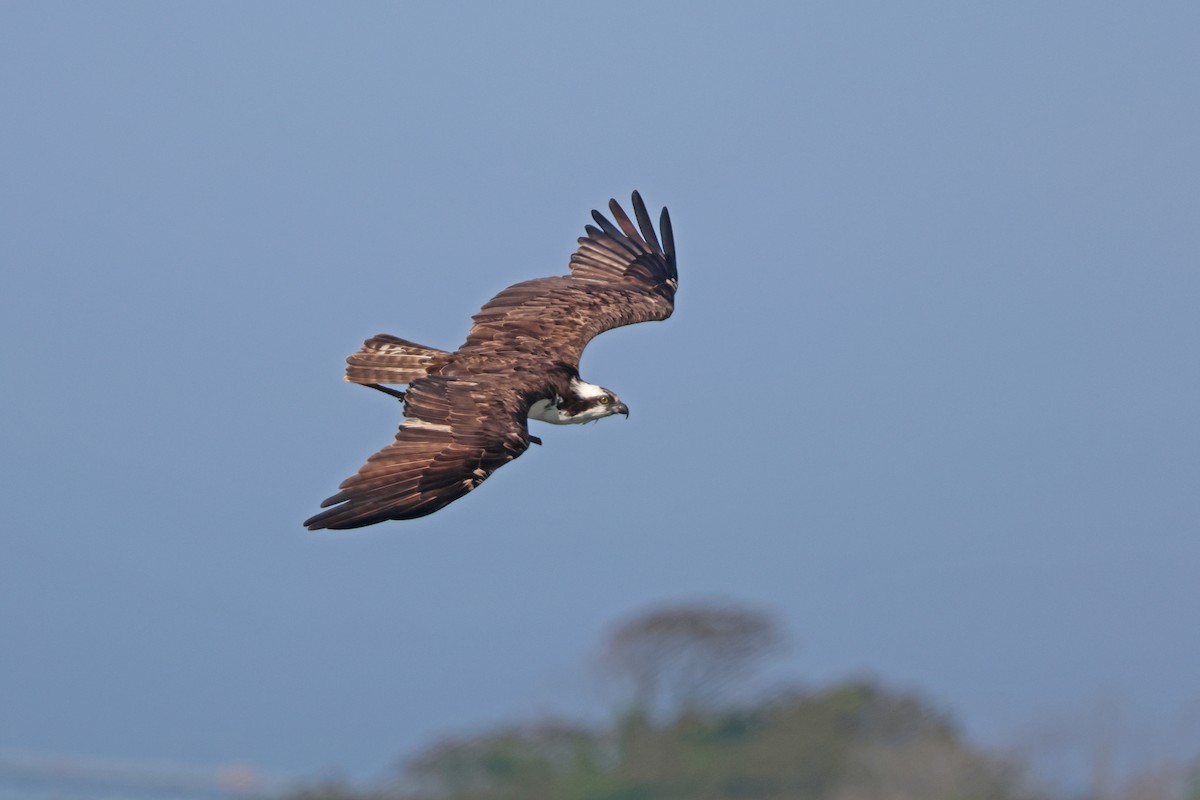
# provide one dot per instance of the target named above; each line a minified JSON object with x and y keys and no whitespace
{"x":930,"y":393}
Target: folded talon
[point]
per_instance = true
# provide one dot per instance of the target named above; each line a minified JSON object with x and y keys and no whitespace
{"x":396,"y":393}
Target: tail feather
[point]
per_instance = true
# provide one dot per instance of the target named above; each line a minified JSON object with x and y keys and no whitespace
{"x":390,"y":359}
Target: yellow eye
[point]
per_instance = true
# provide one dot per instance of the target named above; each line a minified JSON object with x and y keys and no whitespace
{"x":605,"y":399}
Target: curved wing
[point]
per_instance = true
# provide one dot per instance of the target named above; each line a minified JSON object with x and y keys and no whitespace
{"x":621,"y":274}
{"x":458,"y":432}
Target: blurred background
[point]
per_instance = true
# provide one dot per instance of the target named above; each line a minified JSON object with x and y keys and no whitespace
{"x":927,"y":405}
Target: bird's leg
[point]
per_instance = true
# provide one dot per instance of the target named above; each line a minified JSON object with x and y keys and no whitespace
{"x":534,"y":439}
{"x":396,"y":393}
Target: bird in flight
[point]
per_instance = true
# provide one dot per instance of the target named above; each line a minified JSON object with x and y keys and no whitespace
{"x":466,"y":413}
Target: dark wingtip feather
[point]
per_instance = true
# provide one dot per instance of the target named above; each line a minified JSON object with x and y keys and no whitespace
{"x":668,"y":235}
{"x":626,"y":225}
{"x":643,"y":218}
{"x":316,"y":522}
{"x":634,"y":239}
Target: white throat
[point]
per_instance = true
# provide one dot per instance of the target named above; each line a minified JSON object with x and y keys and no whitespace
{"x":547,"y":411}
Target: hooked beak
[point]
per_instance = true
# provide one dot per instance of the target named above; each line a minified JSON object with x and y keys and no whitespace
{"x":621,"y":408}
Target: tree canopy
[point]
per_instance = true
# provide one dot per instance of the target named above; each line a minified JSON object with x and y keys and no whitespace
{"x":686,"y":736}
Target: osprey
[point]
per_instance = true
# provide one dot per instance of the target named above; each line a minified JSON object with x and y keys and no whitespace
{"x":467,"y":412}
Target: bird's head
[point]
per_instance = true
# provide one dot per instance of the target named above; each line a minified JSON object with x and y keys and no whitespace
{"x":588,"y":402}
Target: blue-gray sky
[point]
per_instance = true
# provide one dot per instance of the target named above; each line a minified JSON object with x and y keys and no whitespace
{"x":930,"y":393}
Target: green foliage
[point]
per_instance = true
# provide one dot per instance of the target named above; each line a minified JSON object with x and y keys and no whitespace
{"x":522,"y":762}
{"x":852,"y":741}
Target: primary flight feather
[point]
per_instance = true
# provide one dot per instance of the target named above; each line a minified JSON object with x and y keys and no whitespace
{"x":467,"y":412}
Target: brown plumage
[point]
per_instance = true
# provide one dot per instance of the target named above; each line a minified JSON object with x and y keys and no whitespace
{"x":467,"y":412}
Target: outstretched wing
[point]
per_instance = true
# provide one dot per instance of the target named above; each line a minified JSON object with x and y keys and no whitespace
{"x":621,"y":274}
{"x":457,"y":433}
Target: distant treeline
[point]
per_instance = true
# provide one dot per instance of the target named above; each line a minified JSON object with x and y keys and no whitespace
{"x":688,"y":732}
